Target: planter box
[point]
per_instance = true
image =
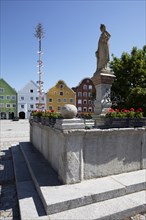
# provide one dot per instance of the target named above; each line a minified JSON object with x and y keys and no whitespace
{"x":125,"y":122}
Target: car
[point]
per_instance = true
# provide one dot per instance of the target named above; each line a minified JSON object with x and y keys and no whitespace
{"x":15,"y":119}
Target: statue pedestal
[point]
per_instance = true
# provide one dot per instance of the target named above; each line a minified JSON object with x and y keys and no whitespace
{"x":103,"y":81}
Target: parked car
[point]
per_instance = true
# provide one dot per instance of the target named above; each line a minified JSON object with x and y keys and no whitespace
{"x":15,"y":118}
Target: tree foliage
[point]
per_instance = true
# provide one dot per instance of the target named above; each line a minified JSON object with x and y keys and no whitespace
{"x":130,"y":82}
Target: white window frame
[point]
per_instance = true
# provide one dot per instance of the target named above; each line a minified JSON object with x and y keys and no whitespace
{"x":79,"y":94}
{"x":2,"y":90}
{"x":1,"y":105}
{"x":79,"y":109}
{"x":13,"y":105}
{"x":79,"y":101}
{"x":90,"y":87}
{"x":8,"y":105}
{"x":13,"y":97}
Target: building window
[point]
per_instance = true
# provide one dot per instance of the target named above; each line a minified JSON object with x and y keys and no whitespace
{"x":31,"y":98}
{"x":1,"y":97}
{"x":89,"y":94}
{"x":50,"y":100}
{"x":8,"y":97}
{"x":71,"y":100}
{"x":61,"y":86}
{"x":90,"y":86}
{"x":61,"y":93}
{"x":13,"y":97}
{"x":54,"y":92}
{"x":2,"y":90}
{"x":50,"y":107}
{"x":13,"y":105}
{"x":59,"y":100}
{"x":90,"y":102}
{"x":84,"y":109}
{"x":58,"y":108}
{"x":42,"y":98}
{"x":37,"y":98}
{"x":85,"y":94}
{"x":31,"y":106}
{"x":64,"y":100}
{"x":8,"y":105}
{"x":79,"y":94}
{"x":85,"y":101}
{"x":79,"y":109}
{"x":90,"y":109}
{"x":79,"y":101}
{"x":31,"y":91}
{"x":1,"y":105}
{"x":22,"y":98}
{"x":85,"y":87}
{"x":22,"y":106}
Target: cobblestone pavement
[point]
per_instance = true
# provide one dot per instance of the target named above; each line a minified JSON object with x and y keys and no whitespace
{"x":11,"y":133}
{"x":8,"y":202}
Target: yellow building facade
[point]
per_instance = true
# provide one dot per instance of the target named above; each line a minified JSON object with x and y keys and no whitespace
{"x":59,"y":95}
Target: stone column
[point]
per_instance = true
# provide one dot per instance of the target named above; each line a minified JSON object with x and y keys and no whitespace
{"x":103,"y":82}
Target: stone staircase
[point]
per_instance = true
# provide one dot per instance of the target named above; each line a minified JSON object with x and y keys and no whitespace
{"x":42,"y":196}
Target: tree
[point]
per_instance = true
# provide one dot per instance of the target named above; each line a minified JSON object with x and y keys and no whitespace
{"x":130,"y":82}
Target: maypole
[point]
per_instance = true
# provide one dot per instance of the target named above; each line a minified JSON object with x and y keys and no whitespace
{"x":39,"y":34}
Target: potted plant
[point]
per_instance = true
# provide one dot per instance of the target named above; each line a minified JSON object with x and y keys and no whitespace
{"x":37,"y":115}
{"x":50,"y":117}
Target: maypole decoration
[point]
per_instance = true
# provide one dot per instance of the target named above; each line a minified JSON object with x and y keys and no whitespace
{"x":39,"y":34}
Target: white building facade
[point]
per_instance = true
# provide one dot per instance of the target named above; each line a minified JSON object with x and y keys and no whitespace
{"x":28,"y":97}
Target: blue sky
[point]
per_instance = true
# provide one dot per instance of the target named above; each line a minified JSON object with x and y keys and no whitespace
{"x":71,"y":37}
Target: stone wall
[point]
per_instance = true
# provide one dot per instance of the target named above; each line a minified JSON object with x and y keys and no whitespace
{"x":79,"y":154}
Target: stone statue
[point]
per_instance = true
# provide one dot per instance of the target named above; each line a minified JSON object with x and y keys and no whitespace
{"x":102,"y":52}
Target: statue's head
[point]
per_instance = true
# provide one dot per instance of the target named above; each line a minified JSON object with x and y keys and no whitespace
{"x":102,"y":27}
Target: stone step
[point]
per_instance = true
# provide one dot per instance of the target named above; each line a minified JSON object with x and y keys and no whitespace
{"x":30,"y":205}
{"x":113,"y":209}
{"x":58,"y":198}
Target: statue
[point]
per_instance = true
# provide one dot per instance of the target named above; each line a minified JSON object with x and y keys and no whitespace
{"x":102,"y":52}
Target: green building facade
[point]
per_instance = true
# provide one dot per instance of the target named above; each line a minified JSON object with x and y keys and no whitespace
{"x":8,"y":101}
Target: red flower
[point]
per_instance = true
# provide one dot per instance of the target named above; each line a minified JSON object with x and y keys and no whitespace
{"x":111,"y":110}
{"x":117,"y":110}
{"x":132,"y":109}
{"x":139,"y":110}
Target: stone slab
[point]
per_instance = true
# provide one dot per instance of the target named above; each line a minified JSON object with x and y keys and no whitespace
{"x":133,"y":181}
{"x":65,"y":197}
{"x":29,"y":202}
{"x":113,"y":209}
{"x":67,"y":124}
